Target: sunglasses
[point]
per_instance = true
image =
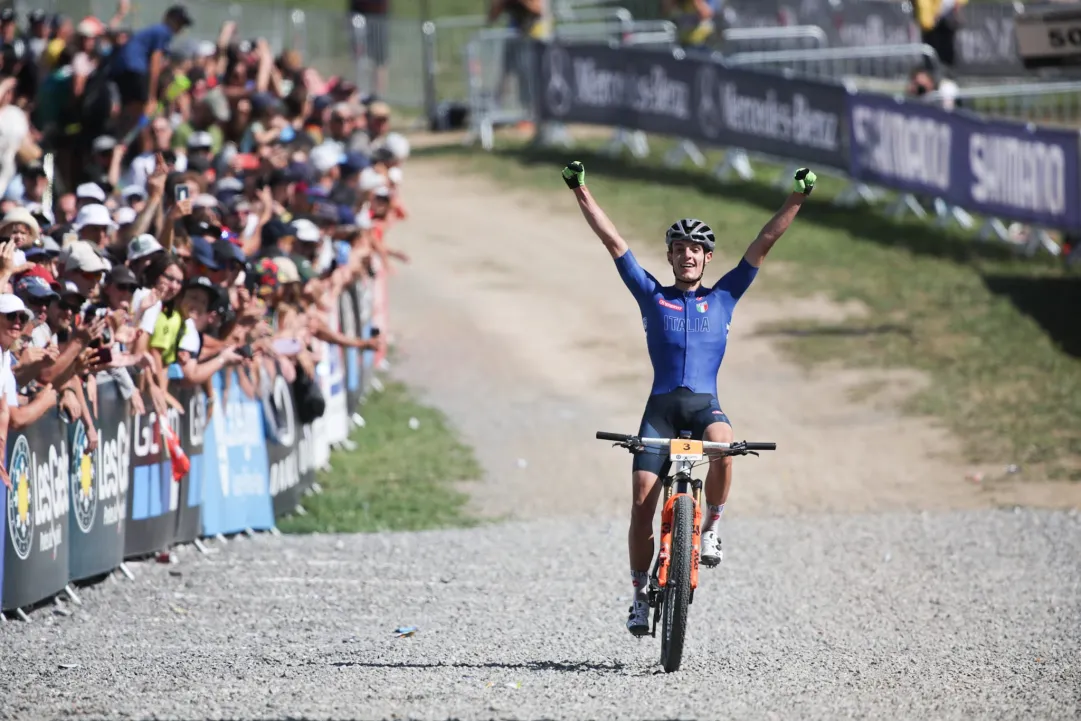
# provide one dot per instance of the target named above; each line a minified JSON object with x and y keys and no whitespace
{"x":17,"y":316}
{"x":74,"y":307}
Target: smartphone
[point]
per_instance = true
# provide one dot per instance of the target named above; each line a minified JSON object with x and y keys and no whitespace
{"x":181,"y":192}
{"x":244,"y":351}
{"x":105,"y":355}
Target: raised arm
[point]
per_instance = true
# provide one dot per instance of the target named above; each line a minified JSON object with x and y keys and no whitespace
{"x":574,"y":175}
{"x":778,"y":224}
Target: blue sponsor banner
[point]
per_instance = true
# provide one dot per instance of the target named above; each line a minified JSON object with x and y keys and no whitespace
{"x":1021,"y":172}
{"x":235,"y":482}
{"x":3,"y":527}
{"x":1000,"y":169}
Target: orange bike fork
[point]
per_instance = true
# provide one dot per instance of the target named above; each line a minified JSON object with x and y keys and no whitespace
{"x":666,"y":538}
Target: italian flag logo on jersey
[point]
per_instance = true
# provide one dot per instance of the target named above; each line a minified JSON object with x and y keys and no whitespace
{"x":702,"y":306}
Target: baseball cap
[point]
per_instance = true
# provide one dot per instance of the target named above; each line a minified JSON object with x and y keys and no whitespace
{"x":200,"y":139}
{"x":82,"y":257}
{"x":32,"y":286}
{"x":10,"y":303}
{"x":39,"y":271}
{"x":50,"y":245}
{"x":306,"y":231}
{"x":90,"y":191}
{"x":142,"y":246}
{"x":93,"y":214}
{"x":103,"y":144}
{"x":133,"y":191}
{"x":203,"y":283}
{"x":202,"y":250}
{"x":353,"y":162}
{"x":226,"y":251}
{"x":398,"y":145}
{"x":371,"y":179}
{"x":287,"y":270}
{"x":125,"y":215}
{"x":121,"y":275}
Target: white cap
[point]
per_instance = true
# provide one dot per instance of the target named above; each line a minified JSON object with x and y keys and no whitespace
{"x":204,"y":200}
{"x":142,"y":246}
{"x":306,"y":231}
{"x":82,"y":256}
{"x":200,"y":139}
{"x":124,"y":216}
{"x":91,"y":191}
{"x":131,"y":191}
{"x":325,"y":156}
{"x":103,"y":143}
{"x":398,"y":146}
{"x":206,"y":49}
{"x":93,"y":214}
{"x":394,"y":175}
{"x":21,"y":215}
{"x":370,"y":179}
{"x":12,"y":304}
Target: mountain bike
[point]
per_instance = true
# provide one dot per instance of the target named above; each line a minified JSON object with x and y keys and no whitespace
{"x":674,"y":577}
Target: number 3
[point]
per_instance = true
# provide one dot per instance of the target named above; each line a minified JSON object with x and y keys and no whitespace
{"x":686,"y":446}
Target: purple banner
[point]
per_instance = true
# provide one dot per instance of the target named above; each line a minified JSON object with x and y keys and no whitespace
{"x":995,"y":168}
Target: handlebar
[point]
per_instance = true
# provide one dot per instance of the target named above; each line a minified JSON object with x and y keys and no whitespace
{"x":634,"y":441}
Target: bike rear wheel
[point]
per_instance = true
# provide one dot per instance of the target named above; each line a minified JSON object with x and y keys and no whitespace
{"x":677,"y":589}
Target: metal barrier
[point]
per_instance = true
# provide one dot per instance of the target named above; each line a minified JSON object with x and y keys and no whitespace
{"x":492,"y":56}
{"x":799,"y":37}
{"x":891,"y":62}
{"x":1046,"y":103}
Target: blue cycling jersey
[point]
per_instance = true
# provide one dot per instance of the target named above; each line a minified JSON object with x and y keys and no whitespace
{"x":686,"y":331}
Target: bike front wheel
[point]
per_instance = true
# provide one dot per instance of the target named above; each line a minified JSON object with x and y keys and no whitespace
{"x":677,"y":589}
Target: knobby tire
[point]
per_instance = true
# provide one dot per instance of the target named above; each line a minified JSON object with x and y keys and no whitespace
{"x":677,"y":590}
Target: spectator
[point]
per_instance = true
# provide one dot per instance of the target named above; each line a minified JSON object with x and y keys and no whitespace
{"x":528,"y":19}
{"x":376,"y":39}
{"x":938,"y":21}
{"x":138,"y":66}
{"x":13,"y":317}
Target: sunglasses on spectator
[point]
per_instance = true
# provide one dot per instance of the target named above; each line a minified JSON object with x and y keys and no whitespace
{"x":95,"y":275}
{"x":17,"y":316}
{"x":73,"y":306}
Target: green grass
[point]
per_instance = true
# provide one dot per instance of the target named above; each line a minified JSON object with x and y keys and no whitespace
{"x":999,"y":336}
{"x":397,"y":479}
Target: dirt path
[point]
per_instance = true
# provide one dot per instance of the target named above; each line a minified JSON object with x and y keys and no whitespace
{"x":512,"y":319}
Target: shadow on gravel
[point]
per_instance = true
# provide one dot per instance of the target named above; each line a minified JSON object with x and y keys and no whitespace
{"x":562,"y":666}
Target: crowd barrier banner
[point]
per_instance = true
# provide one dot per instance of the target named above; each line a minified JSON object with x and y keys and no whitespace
{"x":364,"y":315}
{"x":693,"y":99}
{"x":236,"y":483}
{"x":191,"y":429}
{"x":151,"y":505}
{"x":99,"y":486}
{"x":306,"y":454}
{"x":1025,"y":173}
{"x":350,"y":322}
{"x":332,"y":381}
{"x":37,"y":543}
{"x":283,"y":446}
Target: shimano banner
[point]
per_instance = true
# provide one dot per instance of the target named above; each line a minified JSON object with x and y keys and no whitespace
{"x":991,"y":167}
{"x":192,"y":427}
{"x":236,"y":488}
{"x":37,"y":543}
{"x":99,"y":485}
{"x":694,"y":99}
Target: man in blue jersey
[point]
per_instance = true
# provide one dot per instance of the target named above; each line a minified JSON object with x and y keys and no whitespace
{"x":686,"y":328}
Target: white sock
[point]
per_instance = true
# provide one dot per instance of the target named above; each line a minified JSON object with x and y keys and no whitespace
{"x":713,"y":515}
{"x":640,"y":582}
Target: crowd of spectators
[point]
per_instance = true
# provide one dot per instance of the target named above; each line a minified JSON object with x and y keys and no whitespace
{"x":166,"y":202}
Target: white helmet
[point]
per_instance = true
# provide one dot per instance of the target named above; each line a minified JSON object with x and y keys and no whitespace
{"x":691,"y":230}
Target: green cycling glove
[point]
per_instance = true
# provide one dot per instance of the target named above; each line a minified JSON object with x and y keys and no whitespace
{"x":574,"y":175}
{"x":805,"y":181}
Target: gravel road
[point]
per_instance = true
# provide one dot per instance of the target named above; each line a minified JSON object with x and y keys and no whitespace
{"x":946,"y":615}
{"x":873,"y":583}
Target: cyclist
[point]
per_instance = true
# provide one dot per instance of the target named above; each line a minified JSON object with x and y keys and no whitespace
{"x":686,"y":327}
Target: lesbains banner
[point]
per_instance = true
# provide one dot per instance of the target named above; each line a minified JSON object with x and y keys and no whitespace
{"x":694,"y":99}
{"x":996,"y":168}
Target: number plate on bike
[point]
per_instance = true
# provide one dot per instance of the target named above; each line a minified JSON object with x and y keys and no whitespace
{"x":685,"y":450}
